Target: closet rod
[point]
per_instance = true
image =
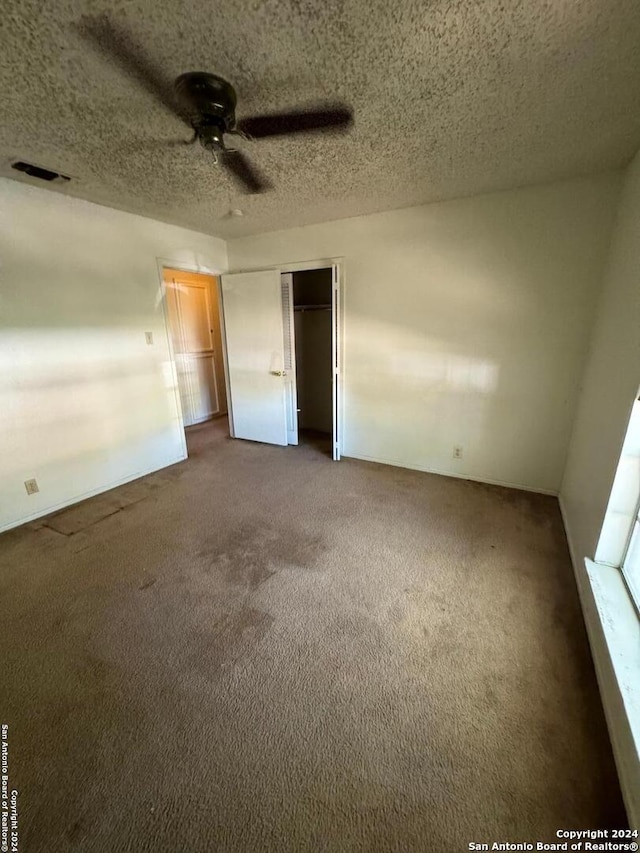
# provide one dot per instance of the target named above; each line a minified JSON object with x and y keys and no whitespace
{"x":312,"y":307}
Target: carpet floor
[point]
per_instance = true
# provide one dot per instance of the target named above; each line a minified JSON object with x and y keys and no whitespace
{"x":262,"y":650}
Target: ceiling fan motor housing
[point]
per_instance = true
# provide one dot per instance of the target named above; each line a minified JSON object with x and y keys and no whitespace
{"x":210,"y":102}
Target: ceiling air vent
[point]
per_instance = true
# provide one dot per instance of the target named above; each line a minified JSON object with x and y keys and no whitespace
{"x":38,"y":172}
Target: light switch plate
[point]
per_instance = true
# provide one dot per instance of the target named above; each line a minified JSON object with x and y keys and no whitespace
{"x":148,"y":336}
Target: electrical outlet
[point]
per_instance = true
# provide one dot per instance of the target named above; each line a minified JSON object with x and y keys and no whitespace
{"x":457,"y":451}
{"x":148,"y":336}
{"x":31,"y":486}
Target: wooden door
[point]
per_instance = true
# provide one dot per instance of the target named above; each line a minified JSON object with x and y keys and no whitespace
{"x":194,"y":321}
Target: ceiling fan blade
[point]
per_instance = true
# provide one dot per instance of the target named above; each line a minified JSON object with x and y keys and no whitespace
{"x":147,"y":145}
{"x":297,"y":121}
{"x":245,"y":173}
{"x":117,"y":45}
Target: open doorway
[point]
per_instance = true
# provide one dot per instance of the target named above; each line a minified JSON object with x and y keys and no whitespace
{"x":312,"y":310}
{"x":193,"y":314}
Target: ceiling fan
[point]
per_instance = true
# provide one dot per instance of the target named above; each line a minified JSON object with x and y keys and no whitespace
{"x":207,"y":104}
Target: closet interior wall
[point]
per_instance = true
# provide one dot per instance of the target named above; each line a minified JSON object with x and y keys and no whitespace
{"x":312,"y":319}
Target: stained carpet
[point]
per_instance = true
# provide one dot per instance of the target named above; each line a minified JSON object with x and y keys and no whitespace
{"x":262,"y":650}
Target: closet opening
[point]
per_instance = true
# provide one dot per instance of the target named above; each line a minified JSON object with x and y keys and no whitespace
{"x":313,"y":330}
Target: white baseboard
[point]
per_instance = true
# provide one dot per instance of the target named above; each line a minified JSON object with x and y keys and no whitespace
{"x":41,"y":513}
{"x":475,"y":479}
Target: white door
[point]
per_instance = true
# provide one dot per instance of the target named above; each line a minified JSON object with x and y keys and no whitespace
{"x":252,"y":309}
{"x":288,"y":327}
{"x":192,"y":305}
{"x":335,"y":361}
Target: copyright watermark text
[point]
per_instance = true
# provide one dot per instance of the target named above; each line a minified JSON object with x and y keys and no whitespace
{"x":586,"y":840}
{"x":8,"y":799}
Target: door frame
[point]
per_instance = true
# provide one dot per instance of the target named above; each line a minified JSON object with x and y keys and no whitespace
{"x":337,"y":265}
{"x":215,"y":273}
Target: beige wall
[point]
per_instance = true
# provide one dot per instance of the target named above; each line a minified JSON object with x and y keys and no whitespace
{"x":610,"y":382}
{"x":85,"y":403}
{"x":466,"y":323}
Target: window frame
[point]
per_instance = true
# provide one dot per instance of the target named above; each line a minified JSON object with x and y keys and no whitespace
{"x":633,"y":586}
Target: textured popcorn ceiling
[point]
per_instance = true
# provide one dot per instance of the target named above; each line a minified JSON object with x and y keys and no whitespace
{"x":451,"y":98}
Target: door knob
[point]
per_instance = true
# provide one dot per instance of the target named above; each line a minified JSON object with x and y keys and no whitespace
{"x":278,"y":372}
